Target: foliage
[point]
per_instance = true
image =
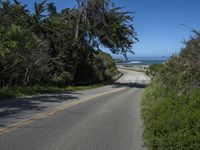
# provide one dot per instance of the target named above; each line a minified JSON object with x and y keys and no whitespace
{"x":21,"y":52}
{"x":11,"y":92}
{"x":51,"y":48}
{"x":171,"y":103}
{"x":154,"y":70}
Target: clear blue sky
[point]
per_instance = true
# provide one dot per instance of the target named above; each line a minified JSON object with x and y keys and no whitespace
{"x":157,"y":23}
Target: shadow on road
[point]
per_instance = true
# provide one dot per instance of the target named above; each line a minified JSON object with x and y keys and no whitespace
{"x":130,"y":85}
{"x":10,"y":108}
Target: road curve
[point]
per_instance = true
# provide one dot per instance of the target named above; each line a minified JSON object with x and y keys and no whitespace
{"x":108,"y":119}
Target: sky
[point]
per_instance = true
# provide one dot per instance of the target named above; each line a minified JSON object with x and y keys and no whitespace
{"x":161,"y":25}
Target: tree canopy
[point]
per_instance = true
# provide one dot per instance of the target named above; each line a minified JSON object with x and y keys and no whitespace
{"x":59,"y":48}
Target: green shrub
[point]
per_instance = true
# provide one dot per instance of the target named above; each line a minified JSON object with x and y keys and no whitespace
{"x":172,"y":122}
{"x":154,"y":70}
{"x":10,"y":92}
{"x":171,"y":104}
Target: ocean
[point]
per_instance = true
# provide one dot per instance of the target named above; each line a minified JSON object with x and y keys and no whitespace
{"x":145,"y":62}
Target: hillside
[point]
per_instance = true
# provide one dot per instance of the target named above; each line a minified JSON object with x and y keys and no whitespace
{"x":171,"y":105}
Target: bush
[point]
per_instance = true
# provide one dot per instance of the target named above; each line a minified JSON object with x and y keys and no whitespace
{"x":171,"y":104}
{"x":154,"y":70}
{"x":11,"y":92}
{"x":171,"y":122}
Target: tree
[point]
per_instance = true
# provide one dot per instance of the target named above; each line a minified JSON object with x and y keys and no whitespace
{"x":47,"y":47}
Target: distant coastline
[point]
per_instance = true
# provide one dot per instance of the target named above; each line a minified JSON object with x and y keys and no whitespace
{"x":141,"y":61}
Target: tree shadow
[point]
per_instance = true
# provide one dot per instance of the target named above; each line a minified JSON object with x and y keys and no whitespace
{"x":130,"y":85}
{"x":11,"y":108}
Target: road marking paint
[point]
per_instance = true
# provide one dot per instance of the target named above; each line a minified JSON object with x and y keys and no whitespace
{"x":52,"y":112}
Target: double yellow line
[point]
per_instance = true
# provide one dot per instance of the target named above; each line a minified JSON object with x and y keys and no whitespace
{"x":54,"y":111}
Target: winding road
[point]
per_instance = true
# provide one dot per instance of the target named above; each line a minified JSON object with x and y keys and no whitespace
{"x":106,"y":118}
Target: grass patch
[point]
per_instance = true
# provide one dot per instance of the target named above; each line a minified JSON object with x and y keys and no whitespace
{"x":11,"y":92}
{"x":171,"y":121}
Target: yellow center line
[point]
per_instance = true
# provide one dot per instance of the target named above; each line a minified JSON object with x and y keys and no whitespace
{"x":52,"y":112}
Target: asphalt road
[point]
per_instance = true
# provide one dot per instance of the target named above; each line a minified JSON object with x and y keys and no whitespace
{"x":106,"y":118}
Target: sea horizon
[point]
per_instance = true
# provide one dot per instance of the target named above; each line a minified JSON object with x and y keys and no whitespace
{"x":144,"y":60}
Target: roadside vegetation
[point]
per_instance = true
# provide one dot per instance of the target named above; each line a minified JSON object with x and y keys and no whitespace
{"x":47,"y":50}
{"x":171,"y":104}
{"x":10,"y":92}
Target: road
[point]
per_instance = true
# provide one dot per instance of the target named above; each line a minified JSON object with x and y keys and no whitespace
{"x":106,"y":118}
